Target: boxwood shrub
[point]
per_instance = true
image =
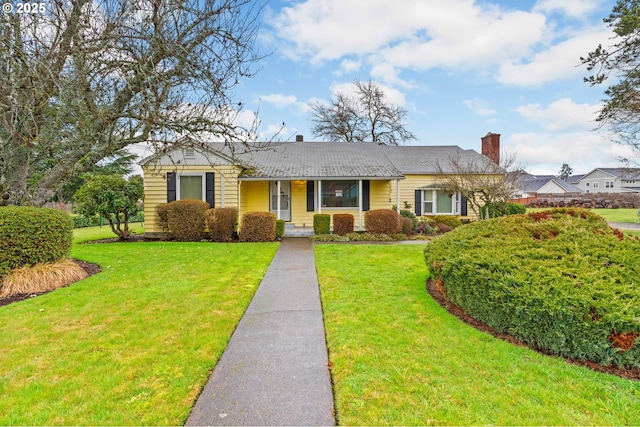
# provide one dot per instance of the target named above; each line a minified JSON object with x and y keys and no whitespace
{"x":31,"y":235}
{"x":280,"y":227}
{"x":342,"y":224}
{"x":258,"y":227}
{"x":382,"y":221}
{"x":321,"y":224}
{"x":222,"y":223}
{"x":186,"y":219}
{"x":560,"y":280}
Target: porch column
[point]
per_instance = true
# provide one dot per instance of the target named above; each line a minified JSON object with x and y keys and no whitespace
{"x":398,"y":195}
{"x":319,"y":196}
{"x":360,"y":204}
{"x":221,"y":190}
{"x":278,"y":202}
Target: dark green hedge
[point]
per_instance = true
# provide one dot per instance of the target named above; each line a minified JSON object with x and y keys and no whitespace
{"x":559,"y":280}
{"x":33,"y":235}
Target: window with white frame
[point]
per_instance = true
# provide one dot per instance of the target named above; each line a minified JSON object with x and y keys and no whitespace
{"x":436,"y":202}
{"x":608,"y":184}
{"x":340,"y":194}
{"x":596,"y":185}
{"x":191,"y":186}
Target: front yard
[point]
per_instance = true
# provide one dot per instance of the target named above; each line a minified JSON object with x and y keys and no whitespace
{"x":135,"y":344}
{"x":400,"y":359}
{"x":132,"y":345}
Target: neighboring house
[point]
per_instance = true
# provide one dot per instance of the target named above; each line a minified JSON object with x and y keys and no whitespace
{"x":544,"y":187}
{"x":299,"y":179}
{"x":609,"y":180}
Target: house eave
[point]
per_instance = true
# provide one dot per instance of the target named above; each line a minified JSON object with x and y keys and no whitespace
{"x":316,"y":178}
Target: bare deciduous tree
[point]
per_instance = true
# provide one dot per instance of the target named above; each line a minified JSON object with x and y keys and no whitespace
{"x":487,"y":186}
{"x":86,"y":78}
{"x":365,"y":116}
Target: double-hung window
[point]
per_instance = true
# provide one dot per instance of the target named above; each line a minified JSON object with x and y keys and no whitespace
{"x":436,"y":202}
{"x":191,"y":186}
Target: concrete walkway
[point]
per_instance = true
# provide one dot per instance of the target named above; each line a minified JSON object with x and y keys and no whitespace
{"x":274,"y":370}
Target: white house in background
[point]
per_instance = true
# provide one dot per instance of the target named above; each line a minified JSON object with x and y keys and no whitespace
{"x":544,"y":186}
{"x":610,"y":180}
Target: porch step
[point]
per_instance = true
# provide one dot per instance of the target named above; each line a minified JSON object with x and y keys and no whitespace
{"x":290,"y":230}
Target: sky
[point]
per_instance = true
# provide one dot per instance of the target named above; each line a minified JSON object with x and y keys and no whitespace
{"x":461,"y":68}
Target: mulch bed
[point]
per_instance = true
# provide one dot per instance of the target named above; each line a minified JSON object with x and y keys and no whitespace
{"x":91,"y":269}
{"x":437,"y":292}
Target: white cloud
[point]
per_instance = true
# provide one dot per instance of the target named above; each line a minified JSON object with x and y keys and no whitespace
{"x":561,"y":115}
{"x":573,"y":8}
{"x":279,"y":100}
{"x":349,"y":65}
{"x":557,"y":62}
{"x":583,"y":151}
{"x":412,"y":33}
{"x":479,"y":107}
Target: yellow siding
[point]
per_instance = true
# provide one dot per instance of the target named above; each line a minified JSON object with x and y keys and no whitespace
{"x":155,"y":188}
{"x":249,"y":196}
{"x":412,"y":183}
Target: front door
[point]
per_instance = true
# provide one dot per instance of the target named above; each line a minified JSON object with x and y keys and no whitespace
{"x":285,"y":199}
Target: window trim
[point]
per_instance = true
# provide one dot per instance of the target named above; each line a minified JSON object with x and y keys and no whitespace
{"x":326,"y":182}
{"x":203,"y":175}
{"x":456,"y":201}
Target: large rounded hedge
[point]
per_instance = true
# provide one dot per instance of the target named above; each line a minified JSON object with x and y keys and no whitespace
{"x":560,"y":280}
{"x":31,"y":235}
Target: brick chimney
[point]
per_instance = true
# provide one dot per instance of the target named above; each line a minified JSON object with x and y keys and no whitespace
{"x":491,"y":146}
{"x":299,"y":138}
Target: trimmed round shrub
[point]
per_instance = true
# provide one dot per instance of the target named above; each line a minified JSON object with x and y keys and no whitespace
{"x":186,"y":219}
{"x":31,"y":235}
{"x":258,"y":227}
{"x":280,"y":223}
{"x":342,"y":224}
{"x":321,"y":224}
{"x":515,"y":209}
{"x":222,"y":223}
{"x":162,"y":216}
{"x":382,"y":221}
{"x":447,"y":220}
{"x":560,"y":280}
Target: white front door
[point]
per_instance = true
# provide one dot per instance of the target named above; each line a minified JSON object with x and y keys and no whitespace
{"x":285,"y":199}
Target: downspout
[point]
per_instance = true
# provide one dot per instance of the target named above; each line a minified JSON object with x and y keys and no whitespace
{"x":221,"y":189}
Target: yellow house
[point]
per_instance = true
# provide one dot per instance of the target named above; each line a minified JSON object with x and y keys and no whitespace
{"x":299,"y":179}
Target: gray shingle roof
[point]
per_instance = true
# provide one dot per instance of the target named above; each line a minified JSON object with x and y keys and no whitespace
{"x":364,"y":160}
{"x":320,"y":160}
{"x":416,"y":159}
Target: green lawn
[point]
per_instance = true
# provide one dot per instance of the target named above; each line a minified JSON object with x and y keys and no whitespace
{"x":400,"y":359}
{"x":611,"y":215}
{"x":104,"y":232}
{"x":132,"y":345}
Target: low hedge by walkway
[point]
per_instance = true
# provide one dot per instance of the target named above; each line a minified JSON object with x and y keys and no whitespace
{"x":559,"y":280}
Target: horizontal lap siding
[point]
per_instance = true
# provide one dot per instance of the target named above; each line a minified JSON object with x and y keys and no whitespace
{"x":155,"y":189}
{"x":410,"y":184}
